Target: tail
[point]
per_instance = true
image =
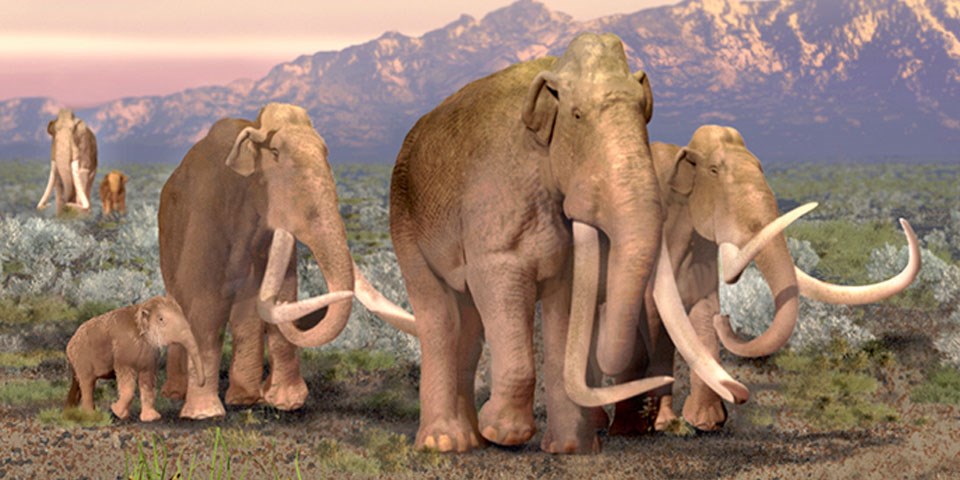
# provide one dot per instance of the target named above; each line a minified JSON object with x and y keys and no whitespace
{"x":73,"y":396}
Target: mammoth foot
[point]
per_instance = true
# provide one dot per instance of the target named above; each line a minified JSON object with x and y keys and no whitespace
{"x":584,"y":442}
{"x":121,"y":412}
{"x":199,"y":407}
{"x":149,"y":415}
{"x":705,"y":416}
{"x":448,"y":435}
{"x":287,"y":396}
{"x":506,"y":425}
{"x":174,"y":390}
{"x":241,"y":396}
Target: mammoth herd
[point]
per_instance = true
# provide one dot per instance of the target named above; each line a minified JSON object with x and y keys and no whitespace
{"x":537,"y":183}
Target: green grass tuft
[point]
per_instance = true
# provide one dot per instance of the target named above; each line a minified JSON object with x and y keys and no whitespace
{"x":73,"y":417}
{"x":339,"y":366}
{"x":941,"y":386}
{"x":834,"y":388}
{"x":24,"y":392}
{"x":30,"y":359}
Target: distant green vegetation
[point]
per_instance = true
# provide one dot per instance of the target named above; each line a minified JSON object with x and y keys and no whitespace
{"x":26,"y":392}
{"x":834,"y":388}
{"x":941,"y":386}
{"x":844,"y":247}
{"x":73,"y":417}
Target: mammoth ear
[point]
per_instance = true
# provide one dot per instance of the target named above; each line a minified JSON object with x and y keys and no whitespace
{"x":684,"y":170}
{"x":644,"y":80}
{"x":50,"y":125}
{"x":540,"y":107}
{"x":243,"y":155}
{"x":142,"y":316}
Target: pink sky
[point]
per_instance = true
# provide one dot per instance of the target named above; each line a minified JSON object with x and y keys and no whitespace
{"x":84,"y":53}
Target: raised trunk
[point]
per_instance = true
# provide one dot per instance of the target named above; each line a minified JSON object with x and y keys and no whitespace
{"x":777,"y":267}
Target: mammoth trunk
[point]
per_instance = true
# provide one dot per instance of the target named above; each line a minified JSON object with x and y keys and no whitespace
{"x":190,"y":344}
{"x":633,"y":221}
{"x":777,"y":267}
{"x":62,"y":157}
{"x":330,"y":250}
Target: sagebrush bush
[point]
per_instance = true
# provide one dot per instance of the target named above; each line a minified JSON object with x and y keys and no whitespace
{"x":750,"y":306}
{"x":937,"y":284}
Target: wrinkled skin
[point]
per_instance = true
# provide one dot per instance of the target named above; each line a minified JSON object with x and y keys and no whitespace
{"x":482,"y":198}
{"x":235,"y":189}
{"x":124,"y":344}
{"x":714,"y":192}
{"x":73,"y":163}
{"x":113,"y":193}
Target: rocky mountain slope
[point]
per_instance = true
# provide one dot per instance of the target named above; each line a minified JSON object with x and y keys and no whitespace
{"x":802,"y":79}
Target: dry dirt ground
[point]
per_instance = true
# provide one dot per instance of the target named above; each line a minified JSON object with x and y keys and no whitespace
{"x":923,"y":443}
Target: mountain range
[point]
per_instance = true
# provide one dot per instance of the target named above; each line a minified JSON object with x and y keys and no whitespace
{"x":801,"y":79}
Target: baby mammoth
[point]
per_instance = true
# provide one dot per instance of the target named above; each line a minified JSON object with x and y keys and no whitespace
{"x":124,"y":344}
{"x":113,"y":192}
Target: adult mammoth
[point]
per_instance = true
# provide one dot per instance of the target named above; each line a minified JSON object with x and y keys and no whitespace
{"x":491,"y":194}
{"x":717,"y":201}
{"x":229,"y":217}
{"x":73,"y":162}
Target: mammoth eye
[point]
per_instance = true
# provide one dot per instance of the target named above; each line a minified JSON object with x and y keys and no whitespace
{"x":275,"y":152}
{"x":160,"y":318}
{"x":577,"y":113}
{"x":714,"y":170}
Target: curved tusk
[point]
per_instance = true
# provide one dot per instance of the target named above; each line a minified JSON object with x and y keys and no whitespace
{"x":860,"y":294}
{"x":734,"y":260}
{"x":46,"y":193}
{"x":280,"y":251}
{"x":79,"y":185}
{"x":685,"y":338}
{"x":586,"y":279}
{"x":381,"y":306}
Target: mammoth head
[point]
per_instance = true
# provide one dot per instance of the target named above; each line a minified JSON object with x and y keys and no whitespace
{"x":161,"y":321}
{"x":66,"y":119}
{"x":252,"y":140}
{"x":592,"y":73}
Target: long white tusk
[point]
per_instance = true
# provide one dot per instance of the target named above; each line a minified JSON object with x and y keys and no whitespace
{"x":734,"y":260}
{"x":46,"y":193}
{"x":860,"y":294}
{"x":685,"y":338}
{"x":586,"y":278}
{"x":382,"y":306}
{"x":79,"y":185}
{"x":280,"y":251}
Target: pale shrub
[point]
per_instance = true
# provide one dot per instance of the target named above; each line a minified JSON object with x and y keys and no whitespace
{"x":749,"y":304}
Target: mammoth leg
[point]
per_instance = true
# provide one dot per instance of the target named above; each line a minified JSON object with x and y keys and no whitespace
{"x":246,"y":332}
{"x":469,"y":348}
{"x":87,"y":385}
{"x":207,"y":314}
{"x":147,"y":379}
{"x":127,"y":388}
{"x":704,"y":408}
{"x":443,"y":425}
{"x":506,"y":298}
{"x":175,"y":386}
{"x":570,"y":427}
{"x":284,"y":388}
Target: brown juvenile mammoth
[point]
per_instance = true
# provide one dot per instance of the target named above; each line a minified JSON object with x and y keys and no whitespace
{"x":73,"y":163}
{"x":229,"y":215}
{"x":113,"y":192}
{"x":125,"y":344}
{"x":492,"y":192}
{"x":717,"y":200}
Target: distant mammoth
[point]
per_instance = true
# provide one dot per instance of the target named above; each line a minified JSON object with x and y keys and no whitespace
{"x":113,"y":192}
{"x":125,"y":344}
{"x":492,"y":193}
{"x":717,"y":200}
{"x":73,"y":163}
{"x":229,"y":217}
